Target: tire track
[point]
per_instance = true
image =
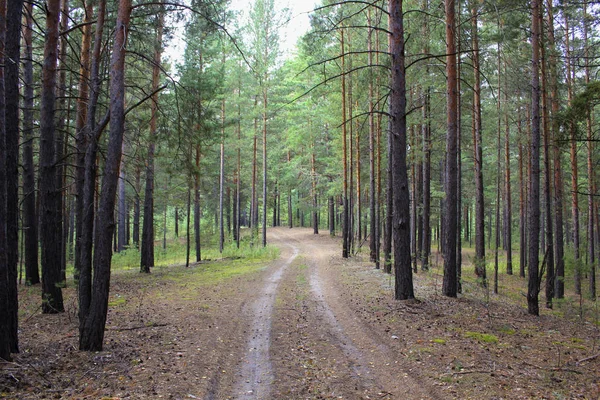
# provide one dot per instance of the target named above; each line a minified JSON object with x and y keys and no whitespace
{"x":256,"y":375}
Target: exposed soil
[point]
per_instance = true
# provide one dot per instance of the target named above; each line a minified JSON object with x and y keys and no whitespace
{"x":310,"y":325}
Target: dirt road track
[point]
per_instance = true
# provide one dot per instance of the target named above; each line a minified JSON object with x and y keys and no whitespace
{"x":307,"y":343}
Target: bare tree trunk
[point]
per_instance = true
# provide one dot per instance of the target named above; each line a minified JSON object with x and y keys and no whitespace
{"x":197,"y":215}
{"x":89,"y":181}
{"x":254,"y":195}
{"x":12,"y":62}
{"x":478,"y":154}
{"x":346,"y":213}
{"x":264,"y":156}
{"x":401,"y":226}
{"x":547,"y":172}
{"x":49,"y":192}
{"x":30,"y":222}
{"x":373,"y":198}
{"x":387,"y":244}
{"x":187,"y":226}
{"x":559,"y":284}
{"x":509,"y":265}
{"x":222,"y":178}
{"x":498,"y":169}
{"x":533,"y":286}
{"x":122,"y":220}
{"x":147,"y":251}
{"x":136,"y":207}
{"x":5,"y":315}
{"x":450,"y":286}
{"x":574,"y":168}
{"x":315,"y":204}
{"x":92,"y":332}
{"x":590,"y":166}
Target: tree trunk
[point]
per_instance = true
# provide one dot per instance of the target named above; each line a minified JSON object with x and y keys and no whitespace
{"x":61,"y":132}
{"x":345,"y":205}
{"x":450,"y":286}
{"x":315,"y":204}
{"x":574,"y":168}
{"x":478,"y":154}
{"x":12,"y":53}
{"x":92,"y":333}
{"x":122,"y":220}
{"x":222,"y":179}
{"x":508,"y":205}
{"x":187,"y":226}
{"x":533,"y":286}
{"x":30,"y":225}
{"x":373,"y":198}
{"x":549,"y":248}
{"x":264,"y":156}
{"x":136,"y":207}
{"x":254,"y":200}
{"x":426,"y":236}
{"x":197,"y":215}
{"x":5,"y":306}
{"x":559,"y":284}
{"x":590,"y":166}
{"x":147,"y":253}
{"x":387,"y":244}
{"x":85,"y":243}
{"x":401,"y":214}
{"x":290,"y":210}
{"x":49,"y":192}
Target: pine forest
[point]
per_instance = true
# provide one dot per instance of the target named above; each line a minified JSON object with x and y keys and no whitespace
{"x":280,"y":199}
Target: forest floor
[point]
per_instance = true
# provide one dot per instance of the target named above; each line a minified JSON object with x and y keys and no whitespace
{"x":308,"y":325}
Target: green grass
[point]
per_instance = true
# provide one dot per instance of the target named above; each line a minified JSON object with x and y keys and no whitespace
{"x":482,"y":337}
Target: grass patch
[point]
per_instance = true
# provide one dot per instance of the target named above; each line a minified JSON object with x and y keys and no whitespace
{"x":507,"y":330}
{"x":482,"y":337}
{"x":439,"y":341}
{"x":117,"y":300}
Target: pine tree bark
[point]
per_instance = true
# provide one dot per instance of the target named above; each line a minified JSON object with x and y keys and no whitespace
{"x":549,"y":248}
{"x":533,"y":286}
{"x":92,"y":134}
{"x":590,"y":167}
{"x":450,"y":285}
{"x":478,"y":153}
{"x":264,"y":157}
{"x":92,"y":332}
{"x":5,"y":316}
{"x":403,"y":288}
{"x":222,"y":179}
{"x":197,"y":216}
{"x":51,"y":216}
{"x":147,"y":250}
{"x":315,"y":203}
{"x":12,"y":63}
{"x":122,"y":213}
{"x":373,"y":198}
{"x":61,"y":132}
{"x":574,"y":167}
{"x":345,"y":205}
{"x":30,"y":218}
{"x":507,"y":177}
{"x":80,"y":131}
{"x":387,"y":244}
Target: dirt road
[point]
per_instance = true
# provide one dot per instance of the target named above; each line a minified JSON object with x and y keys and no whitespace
{"x":307,"y":343}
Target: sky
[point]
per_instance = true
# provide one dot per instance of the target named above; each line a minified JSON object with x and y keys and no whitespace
{"x":298,"y":24}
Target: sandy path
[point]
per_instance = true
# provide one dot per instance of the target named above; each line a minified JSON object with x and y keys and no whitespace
{"x":376,"y":368}
{"x":256,"y":374}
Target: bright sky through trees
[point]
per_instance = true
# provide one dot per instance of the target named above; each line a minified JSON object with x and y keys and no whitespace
{"x":297,"y":25}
